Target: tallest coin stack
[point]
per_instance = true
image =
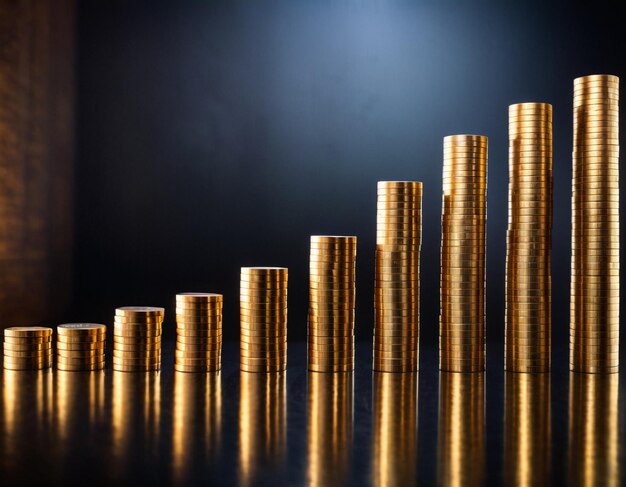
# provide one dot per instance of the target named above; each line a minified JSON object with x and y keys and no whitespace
{"x":463,"y":225}
{"x":529,"y":239}
{"x":594,"y":306}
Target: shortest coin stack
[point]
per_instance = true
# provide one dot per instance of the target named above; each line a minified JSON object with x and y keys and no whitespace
{"x":263,"y":319}
{"x":137,"y":338}
{"x":198,"y":332}
{"x":80,"y":346}
{"x":27,"y":348}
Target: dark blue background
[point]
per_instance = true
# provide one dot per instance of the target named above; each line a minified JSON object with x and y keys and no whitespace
{"x":219,"y":134}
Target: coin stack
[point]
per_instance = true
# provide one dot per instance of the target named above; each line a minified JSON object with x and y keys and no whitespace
{"x":594,"y":305}
{"x":463,"y":224}
{"x":137,"y":338}
{"x":27,"y":348}
{"x":198,"y":332}
{"x":80,"y":346}
{"x":332,"y":294}
{"x":263,"y":319}
{"x":396,"y":293}
{"x":529,"y":239}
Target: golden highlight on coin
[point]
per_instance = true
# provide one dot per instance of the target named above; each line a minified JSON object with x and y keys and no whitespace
{"x":137,"y":338}
{"x":463,"y":246}
{"x":27,"y":348}
{"x":594,"y":287}
{"x":397,"y":285}
{"x":198,"y":332}
{"x":332,"y":298}
{"x":263,"y":319}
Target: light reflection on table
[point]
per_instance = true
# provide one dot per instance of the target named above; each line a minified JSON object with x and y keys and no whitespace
{"x":262,"y":425}
{"x":301,"y":428}
{"x":394,"y":435}
{"x":527,"y":429}
{"x":329,"y":441}
{"x":196,"y":422}
{"x":593,"y":429}
{"x":136,"y":415}
{"x":461,"y":457}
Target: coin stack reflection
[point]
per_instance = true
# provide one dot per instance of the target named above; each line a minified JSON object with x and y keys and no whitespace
{"x":81,"y":346}
{"x":463,"y":224}
{"x":27,"y":348}
{"x":527,"y":437}
{"x":594,"y":313}
{"x":263,"y":319}
{"x":529,"y":239}
{"x":332,"y":294}
{"x":198,"y":332}
{"x":396,"y":294}
{"x":137,"y":338}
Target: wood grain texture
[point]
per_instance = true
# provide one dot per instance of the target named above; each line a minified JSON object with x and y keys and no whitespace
{"x":36,"y":158}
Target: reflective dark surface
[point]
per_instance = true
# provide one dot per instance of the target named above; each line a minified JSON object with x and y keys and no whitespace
{"x":296,"y":428}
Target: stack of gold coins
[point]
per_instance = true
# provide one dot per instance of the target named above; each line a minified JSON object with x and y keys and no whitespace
{"x":27,"y":348}
{"x":80,"y":346}
{"x":332,"y":294}
{"x":463,"y":245}
{"x":529,"y":239}
{"x":397,"y":294}
{"x":137,"y":338}
{"x":263,"y":319}
{"x":198,"y":332}
{"x":594,"y":305}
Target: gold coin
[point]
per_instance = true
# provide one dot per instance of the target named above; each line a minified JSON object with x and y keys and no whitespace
{"x":79,"y":361}
{"x":350,"y":239}
{"x":80,"y":367}
{"x":27,"y":332}
{"x":135,"y":368}
{"x":25,"y":347}
{"x":197,"y":368}
{"x":80,"y":329}
{"x":28,"y":353}
{"x":80,"y":353}
{"x":139,"y":310}
{"x":10,"y":366}
{"x":81,"y":340}
{"x":136,"y":362}
{"x":202,"y":297}
{"x":137,"y":334}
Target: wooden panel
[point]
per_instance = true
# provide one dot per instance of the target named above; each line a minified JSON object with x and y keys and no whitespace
{"x":36,"y":158}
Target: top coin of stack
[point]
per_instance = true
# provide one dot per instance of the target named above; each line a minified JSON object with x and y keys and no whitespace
{"x":397,"y":294}
{"x":529,"y":238}
{"x":198,"y":332}
{"x":263,"y":319}
{"x":27,"y":347}
{"x":463,"y":224}
{"x":137,"y":338}
{"x":80,"y":346}
{"x":332,"y":296}
{"x":594,"y":313}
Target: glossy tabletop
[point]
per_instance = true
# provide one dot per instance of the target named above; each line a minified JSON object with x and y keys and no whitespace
{"x":300,"y":428}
